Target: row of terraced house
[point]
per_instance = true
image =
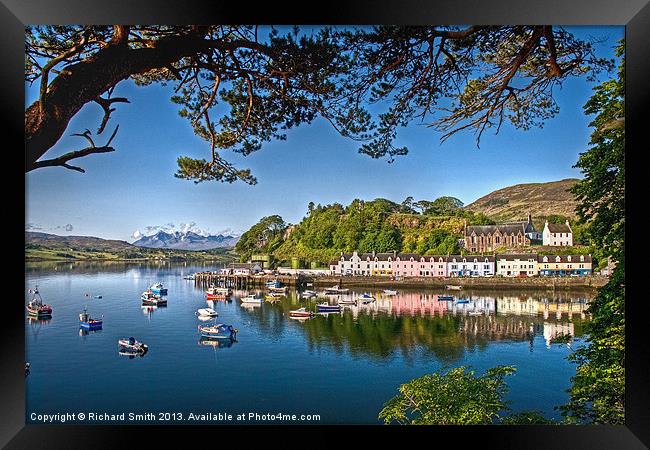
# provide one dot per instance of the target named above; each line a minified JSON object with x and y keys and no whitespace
{"x":506,"y":265}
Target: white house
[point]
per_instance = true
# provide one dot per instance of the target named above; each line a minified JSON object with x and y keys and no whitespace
{"x":470,"y":265}
{"x":557,"y":234}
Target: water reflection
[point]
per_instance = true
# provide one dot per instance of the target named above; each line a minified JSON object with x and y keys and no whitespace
{"x":416,"y":321}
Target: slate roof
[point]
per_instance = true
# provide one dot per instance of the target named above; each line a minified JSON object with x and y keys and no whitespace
{"x":514,"y":256}
{"x":503,"y":228}
{"x":564,"y":258}
{"x":559,"y":228}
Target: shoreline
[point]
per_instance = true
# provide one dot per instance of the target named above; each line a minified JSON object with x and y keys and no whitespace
{"x":493,"y":283}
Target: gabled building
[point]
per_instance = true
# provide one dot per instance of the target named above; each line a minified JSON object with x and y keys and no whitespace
{"x":487,"y":238}
{"x":557,"y":234}
{"x":517,"y":265}
{"x":564,"y":265}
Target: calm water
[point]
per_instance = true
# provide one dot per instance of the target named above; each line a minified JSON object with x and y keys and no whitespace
{"x":341,"y":366}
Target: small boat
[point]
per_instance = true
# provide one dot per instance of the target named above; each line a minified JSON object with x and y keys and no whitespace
{"x":390,"y":292}
{"x":272,"y":284}
{"x":445,"y":298}
{"x":88,"y":323}
{"x":149,"y":298}
{"x":453,"y":287}
{"x":273,"y":296}
{"x":218,"y":293}
{"x":302,"y":312}
{"x":278,"y":289}
{"x":336,"y":289}
{"x":131,"y":346}
{"x":347,"y":301}
{"x":158,"y":289}
{"x":308,"y":293}
{"x":475,"y":313}
{"x":36,"y":308}
{"x":218,"y":331}
{"x":252,"y":298}
{"x":207,"y":312}
{"x":325,"y":307}
{"x":462,"y":301}
{"x":216,"y":343}
{"x":189,"y":277}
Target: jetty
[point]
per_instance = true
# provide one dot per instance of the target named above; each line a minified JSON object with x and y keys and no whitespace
{"x":248,"y":281}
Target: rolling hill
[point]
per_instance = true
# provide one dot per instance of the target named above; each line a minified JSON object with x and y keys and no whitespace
{"x":539,"y":199}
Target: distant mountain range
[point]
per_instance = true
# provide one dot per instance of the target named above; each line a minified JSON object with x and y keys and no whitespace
{"x":187,"y":240}
{"x":539,"y":199}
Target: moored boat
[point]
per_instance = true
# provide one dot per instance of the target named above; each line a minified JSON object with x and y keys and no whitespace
{"x":281,"y":290}
{"x":390,"y":292}
{"x":308,"y":293}
{"x":130,"y":345}
{"x":252,"y":298}
{"x":325,"y":307}
{"x":206,"y":312}
{"x":445,"y":298}
{"x":218,"y":293}
{"x":336,"y":289}
{"x":273,"y":284}
{"x":453,"y":287}
{"x":347,"y":301}
{"x":149,"y":298}
{"x":36,"y":308}
{"x":88,"y":323}
{"x":218,"y":331}
{"x":189,"y":277}
{"x":158,"y":289}
{"x":301,"y":312}
{"x":462,"y":301}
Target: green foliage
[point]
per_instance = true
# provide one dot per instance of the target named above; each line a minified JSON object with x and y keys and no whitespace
{"x":597,"y":394}
{"x":457,"y":397}
{"x":263,"y":237}
{"x":527,"y":418}
{"x":442,"y":206}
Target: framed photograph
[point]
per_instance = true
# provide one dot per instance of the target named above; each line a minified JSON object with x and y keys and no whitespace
{"x":375,"y":217}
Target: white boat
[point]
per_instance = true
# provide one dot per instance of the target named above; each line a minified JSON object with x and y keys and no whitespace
{"x":308,"y":293}
{"x":189,"y":277}
{"x":453,"y":287}
{"x":366,"y":298}
{"x":347,"y":301}
{"x":390,"y":292}
{"x":130,"y":345}
{"x":252,"y":298}
{"x":336,"y":289}
{"x":206,"y":312}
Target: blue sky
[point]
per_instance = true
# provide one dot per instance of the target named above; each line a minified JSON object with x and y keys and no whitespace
{"x":134,"y":187}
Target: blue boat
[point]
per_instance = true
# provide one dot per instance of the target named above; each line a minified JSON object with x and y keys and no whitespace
{"x":445,"y":298}
{"x":219,"y":331}
{"x":158,"y":289}
{"x":88,"y":323}
{"x":462,"y":301}
{"x":324,"y":307}
{"x":273,"y":284}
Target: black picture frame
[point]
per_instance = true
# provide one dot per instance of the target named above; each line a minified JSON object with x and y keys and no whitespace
{"x":634,"y":14}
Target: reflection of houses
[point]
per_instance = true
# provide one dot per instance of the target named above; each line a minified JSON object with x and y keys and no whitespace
{"x":547,"y":308}
{"x":487,"y":238}
{"x":555,"y":330}
{"x":466,"y":266}
{"x":557,"y":234}
{"x":497,"y":328}
{"x":564,"y":265}
{"x":524,"y":265}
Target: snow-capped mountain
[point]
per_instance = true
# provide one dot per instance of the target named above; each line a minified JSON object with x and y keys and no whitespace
{"x":185,"y":240}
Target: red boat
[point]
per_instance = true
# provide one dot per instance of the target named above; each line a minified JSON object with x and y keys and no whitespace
{"x":36,"y":307}
{"x":302,"y":312}
{"x":217,"y":293}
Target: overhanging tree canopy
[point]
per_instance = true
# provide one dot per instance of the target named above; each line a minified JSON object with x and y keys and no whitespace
{"x":240,"y":87}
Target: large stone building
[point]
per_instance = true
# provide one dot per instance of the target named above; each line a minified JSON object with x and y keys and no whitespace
{"x":488,"y":238}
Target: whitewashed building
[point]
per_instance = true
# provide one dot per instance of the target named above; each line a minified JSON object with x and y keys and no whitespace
{"x":470,"y":266}
{"x":517,"y":265}
{"x":557,"y":234}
